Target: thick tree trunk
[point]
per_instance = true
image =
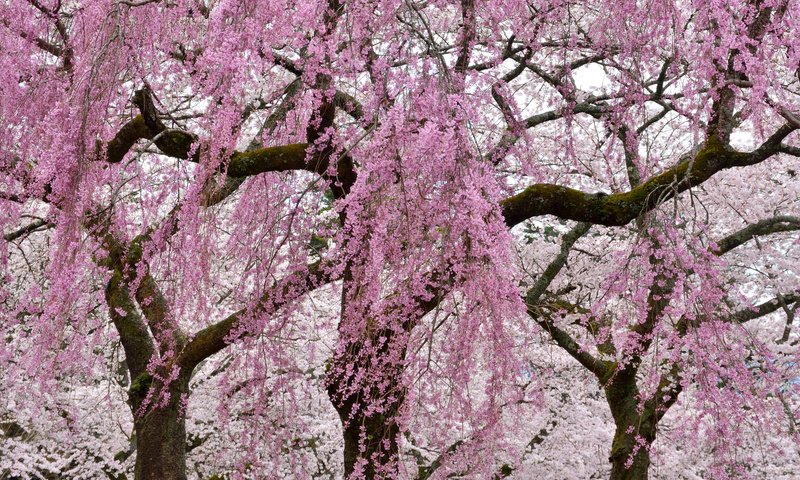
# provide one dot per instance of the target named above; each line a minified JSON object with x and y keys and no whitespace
{"x":635,"y":430}
{"x":630,"y":454}
{"x":370,"y":446}
{"x":370,"y":427}
{"x":160,"y":434}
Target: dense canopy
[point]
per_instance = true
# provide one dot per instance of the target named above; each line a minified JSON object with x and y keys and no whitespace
{"x":399,"y":239}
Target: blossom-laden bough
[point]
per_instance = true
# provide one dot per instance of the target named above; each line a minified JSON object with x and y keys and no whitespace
{"x":183,"y":177}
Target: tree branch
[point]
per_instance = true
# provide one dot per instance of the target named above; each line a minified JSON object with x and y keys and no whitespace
{"x":621,"y":208}
{"x":217,"y":336}
{"x":777,"y":224}
{"x":128,"y":267}
{"x":599,"y":367}
{"x":133,"y":334}
{"x":34,"y":226}
{"x":602,"y":369}
{"x":181,"y":145}
{"x":554,"y":267}
{"x":760,"y":310}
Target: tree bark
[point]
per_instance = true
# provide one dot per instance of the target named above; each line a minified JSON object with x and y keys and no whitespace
{"x":370,"y":427}
{"x":160,"y":432}
{"x":635,"y":429}
{"x":370,"y":444}
{"x":630,"y":454}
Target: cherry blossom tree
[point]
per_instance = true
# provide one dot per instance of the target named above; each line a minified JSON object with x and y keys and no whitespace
{"x":467,"y":180}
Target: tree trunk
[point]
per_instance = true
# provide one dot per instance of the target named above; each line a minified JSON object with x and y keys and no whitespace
{"x":379,"y":435}
{"x":635,"y":430}
{"x":371,"y":440}
{"x":160,"y":433}
{"x":630,"y":452}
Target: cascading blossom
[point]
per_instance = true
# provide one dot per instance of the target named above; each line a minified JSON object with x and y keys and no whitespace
{"x":398,"y":239}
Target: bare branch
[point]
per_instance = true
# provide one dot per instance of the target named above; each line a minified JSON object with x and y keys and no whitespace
{"x":34,"y":226}
{"x":751,"y":313}
{"x":781,"y":223}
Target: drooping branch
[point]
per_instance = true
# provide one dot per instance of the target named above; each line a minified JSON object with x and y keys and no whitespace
{"x":127,"y":261}
{"x":659,"y":298}
{"x":425,"y":473}
{"x":777,"y":224}
{"x":667,"y":393}
{"x":57,"y":17}
{"x":563,"y":339}
{"x":669,"y":386}
{"x":593,"y":107}
{"x":341,"y":99}
{"x":602,"y":369}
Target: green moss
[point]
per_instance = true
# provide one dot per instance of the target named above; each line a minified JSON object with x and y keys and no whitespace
{"x":269,"y":159}
{"x":177,"y":144}
{"x":611,"y":368}
{"x":621,"y":444}
{"x":619,"y":209}
{"x":139,"y":388}
{"x":134,"y":251}
{"x":712,"y":147}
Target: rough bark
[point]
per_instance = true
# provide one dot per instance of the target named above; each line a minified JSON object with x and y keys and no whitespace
{"x":379,"y":434}
{"x":622,"y":453}
{"x":621,"y":208}
{"x":635,"y":430}
{"x":160,"y":432}
{"x":371,"y":440}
